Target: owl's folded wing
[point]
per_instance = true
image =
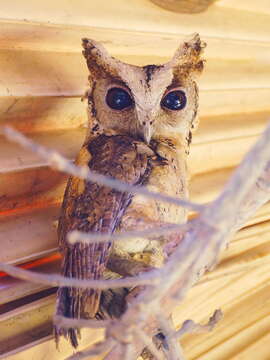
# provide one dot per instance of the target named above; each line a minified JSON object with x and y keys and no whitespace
{"x":90,"y":207}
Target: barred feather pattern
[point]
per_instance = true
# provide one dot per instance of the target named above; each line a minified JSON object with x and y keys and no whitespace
{"x":90,"y":207}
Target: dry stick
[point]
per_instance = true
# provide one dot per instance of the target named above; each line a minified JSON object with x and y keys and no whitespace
{"x":211,"y":237}
{"x":247,"y":179}
{"x":149,"y":278}
{"x":88,"y":238}
{"x":210,"y":232}
{"x":97,"y":349}
{"x":175,"y":351}
{"x":128,"y":351}
{"x":61,"y":163}
{"x":118,"y":351}
{"x":189,"y":326}
{"x":148,"y":343}
{"x":245,"y":192}
{"x":127,"y":347}
{"x":251,"y":202}
{"x":67,"y":323}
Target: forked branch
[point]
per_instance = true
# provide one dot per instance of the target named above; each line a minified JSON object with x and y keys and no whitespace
{"x":195,"y":249}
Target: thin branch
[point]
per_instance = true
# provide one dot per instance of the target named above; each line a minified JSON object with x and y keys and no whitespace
{"x":150,"y":278}
{"x":197,"y":247}
{"x":76,"y":236}
{"x":94,"y":351}
{"x":189,"y":326}
{"x":258,"y":195}
{"x":127,"y":346}
{"x":253,"y":170}
{"x":128,"y":351}
{"x":67,"y":323}
{"x":148,"y":343}
{"x":61,"y":163}
{"x":174,"y":351}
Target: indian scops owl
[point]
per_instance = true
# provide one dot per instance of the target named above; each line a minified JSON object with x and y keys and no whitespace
{"x":140,"y":125}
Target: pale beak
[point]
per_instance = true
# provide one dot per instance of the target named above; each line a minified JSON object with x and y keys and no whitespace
{"x":147,"y":132}
{"x":145,"y":124}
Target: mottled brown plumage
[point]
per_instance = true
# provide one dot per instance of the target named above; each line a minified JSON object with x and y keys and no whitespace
{"x":95,"y":208}
{"x":143,"y":143}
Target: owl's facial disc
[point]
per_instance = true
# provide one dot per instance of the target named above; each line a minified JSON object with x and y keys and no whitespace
{"x":146,"y":102}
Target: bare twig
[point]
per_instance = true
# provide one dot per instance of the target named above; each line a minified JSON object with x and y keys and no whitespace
{"x":175,"y":351}
{"x":67,"y":323}
{"x":258,"y":195}
{"x":128,"y":351}
{"x":78,"y":236}
{"x":198,"y":245}
{"x":150,"y":278}
{"x":189,"y":326}
{"x":61,"y":163}
{"x":95,"y":350}
{"x":148,"y":343}
{"x":250,"y":178}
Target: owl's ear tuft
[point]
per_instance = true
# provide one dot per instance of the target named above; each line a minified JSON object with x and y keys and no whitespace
{"x":187,"y":58}
{"x":99,"y":61}
{"x":93,"y":49}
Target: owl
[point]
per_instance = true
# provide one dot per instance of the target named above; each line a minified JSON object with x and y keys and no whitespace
{"x":140,"y":127}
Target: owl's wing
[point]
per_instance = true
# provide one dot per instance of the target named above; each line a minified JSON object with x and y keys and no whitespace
{"x":90,"y":207}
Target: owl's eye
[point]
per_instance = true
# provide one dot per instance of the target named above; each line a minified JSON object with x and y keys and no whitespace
{"x":174,"y":100}
{"x":118,"y":99}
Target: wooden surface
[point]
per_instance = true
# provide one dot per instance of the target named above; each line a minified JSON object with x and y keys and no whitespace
{"x":43,"y":76}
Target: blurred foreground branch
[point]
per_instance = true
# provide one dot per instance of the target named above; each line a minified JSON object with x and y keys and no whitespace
{"x":196,"y":248}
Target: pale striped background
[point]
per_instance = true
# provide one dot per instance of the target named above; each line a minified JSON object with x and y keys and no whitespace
{"x":42,"y":77}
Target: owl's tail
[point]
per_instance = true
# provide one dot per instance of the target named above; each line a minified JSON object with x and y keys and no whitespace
{"x":66,"y":306}
{"x":75,"y":303}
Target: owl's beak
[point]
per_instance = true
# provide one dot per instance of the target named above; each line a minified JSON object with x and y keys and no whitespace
{"x":147,"y":132}
{"x":145,"y":124}
{"x":145,"y":127}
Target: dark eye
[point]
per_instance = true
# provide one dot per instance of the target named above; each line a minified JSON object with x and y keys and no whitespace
{"x":118,"y":99}
{"x":174,"y":100}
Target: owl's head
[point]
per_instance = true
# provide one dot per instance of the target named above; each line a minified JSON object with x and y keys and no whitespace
{"x":144,"y":102}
